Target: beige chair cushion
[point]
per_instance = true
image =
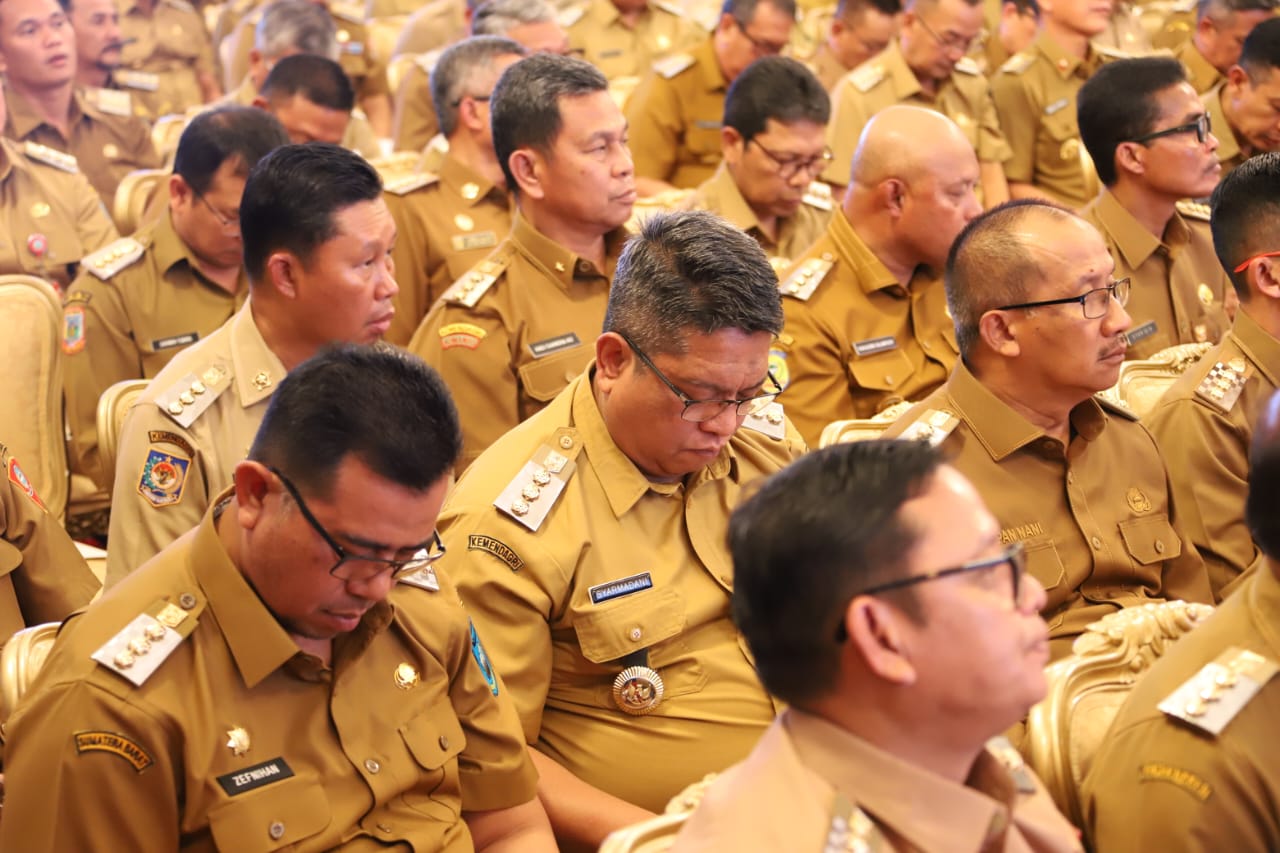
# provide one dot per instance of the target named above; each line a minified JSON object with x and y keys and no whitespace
{"x":862,"y":429}
{"x":113,"y":405}
{"x":1144,"y":381}
{"x":20,"y":662}
{"x":133,"y":204}
{"x":655,"y":835}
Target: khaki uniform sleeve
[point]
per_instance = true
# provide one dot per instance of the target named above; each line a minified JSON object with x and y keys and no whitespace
{"x":653,"y":116}
{"x":375,"y":78}
{"x":1018,"y":118}
{"x":818,"y":391}
{"x":1185,"y":577}
{"x":93,"y":224}
{"x":848,"y":117}
{"x":993,"y":147}
{"x":412,"y":275}
{"x":415,"y":120}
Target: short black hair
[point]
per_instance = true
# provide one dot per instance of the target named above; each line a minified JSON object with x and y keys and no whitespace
{"x":1261,"y":52}
{"x":778,"y":88}
{"x":814,"y":536}
{"x":851,"y":10}
{"x":1245,"y":215}
{"x":242,"y":135}
{"x":524,"y":109}
{"x":292,"y":196}
{"x":459,"y":71}
{"x":1118,"y":104}
{"x":744,"y":11}
{"x":318,"y":79}
{"x":1025,"y":7}
{"x":379,"y":404}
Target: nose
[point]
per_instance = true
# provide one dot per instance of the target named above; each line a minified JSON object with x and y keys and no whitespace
{"x":1117,"y":319}
{"x":972,"y":207}
{"x":375,"y":588}
{"x":387,"y":286}
{"x":724,"y":424}
{"x":1031,"y":594}
{"x":1212,"y":142}
{"x":625,"y":164}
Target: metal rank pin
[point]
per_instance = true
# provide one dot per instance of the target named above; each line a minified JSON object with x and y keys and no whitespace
{"x":811,"y":268}
{"x":406,"y":677}
{"x":638,"y":690}
{"x":187,"y":397}
{"x":1211,"y":692}
{"x":139,"y":645}
{"x":109,"y":258}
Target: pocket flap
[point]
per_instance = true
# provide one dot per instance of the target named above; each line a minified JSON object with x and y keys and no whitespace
{"x":1044,"y":563}
{"x":1151,"y":540}
{"x":271,"y":817}
{"x":434,"y":736}
{"x":546,"y":377}
{"x":881,"y":372}
{"x":636,"y":622}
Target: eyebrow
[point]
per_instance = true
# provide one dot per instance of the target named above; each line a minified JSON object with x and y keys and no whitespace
{"x":370,"y":545}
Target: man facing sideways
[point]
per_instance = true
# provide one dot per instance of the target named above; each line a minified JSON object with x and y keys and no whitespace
{"x":590,"y":539}
{"x":856,"y":569}
{"x":1221,"y":26}
{"x":293,"y":672}
{"x":1079,"y":482}
{"x":1242,"y":108}
{"x":859,"y":30}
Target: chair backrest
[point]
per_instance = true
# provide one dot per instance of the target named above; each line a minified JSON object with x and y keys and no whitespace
{"x":1087,"y":688}
{"x":655,"y":835}
{"x":134,"y":196}
{"x":20,"y":662}
{"x":31,"y":332}
{"x":1144,"y":381}
{"x":861,"y":429}
{"x":113,"y":405}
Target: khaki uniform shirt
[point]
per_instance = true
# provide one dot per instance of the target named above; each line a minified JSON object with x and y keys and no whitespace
{"x":239,"y":740}
{"x":195,"y":445}
{"x":1200,"y":73}
{"x":885,"y":80}
{"x":1096,"y":517}
{"x":123,"y":94}
{"x":1229,"y":151}
{"x":1177,"y":26}
{"x":991,"y":55}
{"x":415,"y":121}
{"x":856,"y":340}
{"x":106,"y":147}
{"x":1178,"y":286}
{"x":436,"y":24}
{"x":49,"y":218}
{"x":1208,"y":435}
{"x":598,"y":35}
{"x":617,"y":565}
{"x":445,"y":225}
{"x":43,"y":578}
{"x":786,"y":796}
{"x":169,"y":47}
{"x":1158,"y":783}
{"x":796,"y":233}
{"x":827,"y":68}
{"x":530,"y":331}
{"x":128,"y":322}
{"x":1035,"y":99}
{"x":675,"y":116}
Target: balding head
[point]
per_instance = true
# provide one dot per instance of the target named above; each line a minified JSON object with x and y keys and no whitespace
{"x":903,"y":142}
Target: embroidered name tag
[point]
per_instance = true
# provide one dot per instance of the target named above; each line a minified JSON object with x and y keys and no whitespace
{"x":1144,"y":331}
{"x":872,"y":346}
{"x":478,"y":240}
{"x":240,"y":781}
{"x":175,"y":341}
{"x":603,"y":592}
{"x":1055,"y":106}
{"x":560,"y":342}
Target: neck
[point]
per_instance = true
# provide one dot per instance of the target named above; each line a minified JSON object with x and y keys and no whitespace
{"x":1265,"y":312}
{"x":878,"y":235}
{"x":468,"y":151}
{"x":588,"y":245}
{"x":288,"y":344}
{"x":52,"y":105}
{"x":1229,"y":113}
{"x":1071,"y":42}
{"x":630,"y":19}
{"x":1036,"y":403}
{"x":92,"y":74}
{"x":1153,"y":210}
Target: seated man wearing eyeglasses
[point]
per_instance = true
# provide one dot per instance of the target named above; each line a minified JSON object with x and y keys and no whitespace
{"x":856,"y":571}
{"x":1041,"y":324}
{"x":264,"y":683}
{"x":774,"y":118}
{"x":1152,"y":144}
{"x":867,"y":322}
{"x":588,"y":543}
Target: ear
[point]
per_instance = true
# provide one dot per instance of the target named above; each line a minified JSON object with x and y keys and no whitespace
{"x":253,"y":484}
{"x":469,"y":116}
{"x":893,"y":193}
{"x":725,"y":24}
{"x":1131,"y":157}
{"x":612,"y":357}
{"x":1237,"y":79}
{"x":838,"y":26}
{"x":731,"y":145}
{"x":260,"y":102}
{"x":526,"y":168}
{"x":999,"y":334}
{"x":1205,"y":26}
{"x":876,"y":631}
{"x":1265,"y":277}
{"x":179,"y":191}
{"x":283,"y":270}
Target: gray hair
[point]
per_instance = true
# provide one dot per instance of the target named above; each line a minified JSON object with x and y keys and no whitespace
{"x":744,"y":11}
{"x":1223,"y":10}
{"x":295,"y":26}
{"x":463,"y":70}
{"x":499,"y":17}
{"x":691,"y":272}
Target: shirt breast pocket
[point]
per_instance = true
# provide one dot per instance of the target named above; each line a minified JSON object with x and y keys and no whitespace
{"x":1045,"y":564}
{"x":1150,"y":540}
{"x":275,"y":817}
{"x":884,"y":371}
{"x":544,"y":378}
{"x":435,"y":739}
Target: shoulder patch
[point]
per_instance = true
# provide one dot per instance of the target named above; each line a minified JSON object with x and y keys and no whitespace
{"x":482,"y":660}
{"x":966,"y":65}
{"x":674,"y":65}
{"x":570,"y":16}
{"x":1018,"y":63}
{"x":468,"y":289}
{"x":73,"y":328}
{"x":804,"y":280}
{"x":187,"y":399}
{"x":51,"y":157}
{"x":1194,"y":210}
{"x":150,"y":637}
{"x":1116,"y":407}
{"x":1213,"y":696}
{"x":499,"y":549}
{"x":864,"y":78}
{"x":771,"y":421}
{"x":113,"y":102}
{"x":143,"y":81}
{"x":529,"y":497}
{"x":19,"y":478}
{"x":113,"y":257}
{"x":1222,"y":385}
{"x":115,"y":744}
{"x":932,"y":425}
{"x":818,"y":195}
{"x":402,"y":183}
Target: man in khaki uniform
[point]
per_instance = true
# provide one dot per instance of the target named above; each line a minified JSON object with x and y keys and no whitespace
{"x":449,"y":221}
{"x":1240,"y":108}
{"x":44,"y":108}
{"x":1077,"y":481}
{"x":859,"y":30}
{"x":623,"y":38}
{"x":675,"y":112}
{"x":435,"y":25}
{"x":925,"y":66}
{"x":1013,"y":31}
{"x":774,"y":117}
{"x":167,"y":53}
{"x":1035,"y":96}
{"x":140,"y":301}
{"x":1148,"y":136}
{"x":1221,"y":26}
{"x":514,"y":331}
{"x":313,"y":100}
{"x":317,"y":252}
{"x":99,"y":42}
{"x":1206,"y":419}
{"x":591,"y":540}
{"x":883,"y":745}
{"x":43,"y":578}
{"x":311,"y":702}
{"x":867,"y":323}
{"x":1190,"y":760}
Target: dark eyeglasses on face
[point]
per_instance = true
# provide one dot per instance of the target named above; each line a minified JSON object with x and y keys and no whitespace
{"x":789,"y":166}
{"x":363,"y":567}
{"x":1094,"y":304}
{"x":701,"y":411}
{"x":1200,"y":127}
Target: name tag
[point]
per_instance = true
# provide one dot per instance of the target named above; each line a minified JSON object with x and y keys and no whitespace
{"x":478,"y":240}
{"x":603,"y":592}
{"x":241,"y":781}
{"x":539,"y":349}
{"x":175,"y":341}
{"x":703,"y":124}
{"x":874,"y":346}
{"x":1055,"y":106}
{"x":610,"y":54}
{"x":1144,"y":331}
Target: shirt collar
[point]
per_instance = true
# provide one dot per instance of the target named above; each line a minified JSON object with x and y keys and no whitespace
{"x":10,"y":158}
{"x":1228,"y":147}
{"x":23,"y":119}
{"x":555,"y":261}
{"x":1262,"y":348}
{"x":456,"y":175}
{"x":1063,"y":63}
{"x":712,"y":77}
{"x":1131,"y":237}
{"x":733,"y":207}
{"x":1197,"y":66}
{"x":870,"y":273}
{"x":905,"y":82}
{"x":257,"y":369}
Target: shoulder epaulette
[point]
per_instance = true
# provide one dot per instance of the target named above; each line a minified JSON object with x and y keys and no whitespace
{"x":674,"y":65}
{"x":771,"y":421}
{"x":190,"y":396}
{"x":866,"y":77}
{"x":1194,"y":210}
{"x":150,"y":637}
{"x":113,"y":102}
{"x":805,"y":279}
{"x":529,"y":497}
{"x":851,"y":828}
{"x":818,"y":194}
{"x":473,"y":284}
{"x":931,"y":425}
{"x":403,"y":183}
{"x":182,"y":5}
{"x":1222,"y":385}
{"x":51,"y":157}
{"x":669,"y":8}
{"x":1017,"y":63}
{"x":568,"y":17}
{"x":966,"y":65}
{"x":352,"y":12}
{"x":113,"y":257}
{"x":143,"y":81}
{"x":1116,"y":406}
{"x":1213,"y":696}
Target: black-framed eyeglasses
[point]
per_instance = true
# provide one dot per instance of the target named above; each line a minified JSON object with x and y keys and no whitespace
{"x":761,"y":48}
{"x":949,"y":42}
{"x":1200,"y":127}
{"x":223,"y":220}
{"x":701,"y":411}
{"x":1094,"y":304}
{"x":790,"y":166}
{"x":364,"y":567}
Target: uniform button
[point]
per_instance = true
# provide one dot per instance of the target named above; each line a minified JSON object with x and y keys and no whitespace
{"x":1159,"y":546}
{"x":276,"y":830}
{"x":636,"y":634}
{"x":888,"y":379}
{"x":444,"y":742}
{"x":372,"y":765}
{"x":382,"y":827}
{"x":186,"y":601}
{"x":1096,"y":543}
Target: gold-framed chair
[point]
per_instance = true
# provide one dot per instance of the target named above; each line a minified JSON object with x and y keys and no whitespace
{"x":1144,"y":381}
{"x":20,"y":661}
{"x":1087,"y":688}
{"x":862,"y":429}
{"x":113,"y":405}
{"x":657,"y":834}
{"x":133,"y":203}
{"x":166,"y":132}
